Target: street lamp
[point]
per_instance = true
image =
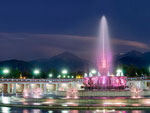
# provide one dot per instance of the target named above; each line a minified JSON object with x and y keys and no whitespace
{"x":119,"y":72}
{"x":64,"y":76}
{"x":6,"y":71}
{"x":50,"y":75}
{"x":85,"y":74}
{"x":59,"y":76}
{"x":64,"y":71}
{"x":36,"y":72}
{"x":93,"y":71}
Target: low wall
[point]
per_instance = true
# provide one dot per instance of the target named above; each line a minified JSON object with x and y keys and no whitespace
{"x":105,"y":93}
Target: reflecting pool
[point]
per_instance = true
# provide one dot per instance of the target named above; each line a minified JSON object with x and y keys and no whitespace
{"x":28,"y":110}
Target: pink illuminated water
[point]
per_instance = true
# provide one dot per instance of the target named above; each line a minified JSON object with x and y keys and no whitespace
{"x":135,"y":92}
{"x":104,"y":63}
{"x":72,"y":93}
{"x":34,"y":93}
{"x":104,"y":55}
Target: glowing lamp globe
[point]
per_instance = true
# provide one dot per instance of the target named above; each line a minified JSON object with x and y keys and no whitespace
{"x":64,"y":71}
{"x":50,"y":75}
{"x":93,"y":71}
{"x":6,"y":71}
{"x":36,"y":72}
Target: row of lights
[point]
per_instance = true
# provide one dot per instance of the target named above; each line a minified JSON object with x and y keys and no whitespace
{"x":37,"y":72}
{"x":119,"y":72}
{"x":64,"y":74}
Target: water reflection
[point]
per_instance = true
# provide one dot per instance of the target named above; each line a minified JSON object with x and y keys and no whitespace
{"x":137,"y":111}
{"x":5,"y":100}
{"x":120,"y":102}
{"x":36,"y":111}
{"x":5,"y":109}
{"x":64,"y":111}
{"x":28,"y":110}
{"x":25,"y":111}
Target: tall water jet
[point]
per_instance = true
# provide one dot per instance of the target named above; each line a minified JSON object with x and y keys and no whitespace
{"x":104,"y":64}
{"x":104,"y":55}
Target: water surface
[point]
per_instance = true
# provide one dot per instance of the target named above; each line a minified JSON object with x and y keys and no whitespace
{"x":28,"y":110}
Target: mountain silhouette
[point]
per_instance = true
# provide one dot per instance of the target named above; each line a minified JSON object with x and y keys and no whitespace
{"x":74,"y":63}
{"x":63,"y":60}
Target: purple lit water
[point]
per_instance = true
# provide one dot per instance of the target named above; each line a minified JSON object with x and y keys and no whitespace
{"x":104,"y":53}
{"x":104,"y":64}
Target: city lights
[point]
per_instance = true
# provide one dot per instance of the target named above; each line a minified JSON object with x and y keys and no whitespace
{"x":93,"y":71}
{"x":50,"y":75}
{"x":36,"y":71}
{"x":64,"y":71}
{"x":5,"y":71}
{"x":59,"y":76}
{"x":119,"y":72}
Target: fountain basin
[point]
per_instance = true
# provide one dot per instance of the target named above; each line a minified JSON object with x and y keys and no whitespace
{"x":81,"y":103}
{"x":105,"y":93}
{"x":105,"y":82}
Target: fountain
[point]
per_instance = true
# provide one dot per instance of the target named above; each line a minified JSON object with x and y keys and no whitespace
{"x":104,"y":64}
{"x":34,"y":93}
{"x":72,"y":93}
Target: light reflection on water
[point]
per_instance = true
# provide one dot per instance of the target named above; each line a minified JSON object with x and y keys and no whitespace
{"x":28,"y":110}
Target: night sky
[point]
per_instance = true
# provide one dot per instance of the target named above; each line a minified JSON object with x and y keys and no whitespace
{"x":33,"y":29}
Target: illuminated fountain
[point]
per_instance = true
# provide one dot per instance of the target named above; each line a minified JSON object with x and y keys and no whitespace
{"x":34,"y":93}
{"x":135,"y":92}
{"x":72,"y":93}
{"x":104,"y":80}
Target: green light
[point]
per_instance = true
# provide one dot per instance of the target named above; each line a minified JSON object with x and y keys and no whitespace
{"x":119,"y":72}
{"x":6,"y":71}
{"x":36,"y":71}
{"x":59,"y":76}
{"x":50,"y":75}
{"x":64,"y":71}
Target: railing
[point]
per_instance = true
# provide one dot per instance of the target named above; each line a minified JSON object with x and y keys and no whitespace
{"x":138,"y":78}
{"x":41,"y":80}
{"x":62,"y":80}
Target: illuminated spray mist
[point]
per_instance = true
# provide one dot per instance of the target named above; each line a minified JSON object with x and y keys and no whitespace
{"x":104,"y":55}
{"x":104,"y":64}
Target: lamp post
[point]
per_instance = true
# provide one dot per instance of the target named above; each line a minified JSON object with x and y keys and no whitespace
{"x":93,"y":71}
{"x":36,"y":72}
{"x":119,"y":72}
{"x":59,"y":76}
{"x":6,"y":71}
{"x":50,"y":75}
{"x":64,"y":73}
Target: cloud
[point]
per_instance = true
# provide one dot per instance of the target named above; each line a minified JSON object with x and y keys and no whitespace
{"x":32,"y":46}
{"x":130,"y":43}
